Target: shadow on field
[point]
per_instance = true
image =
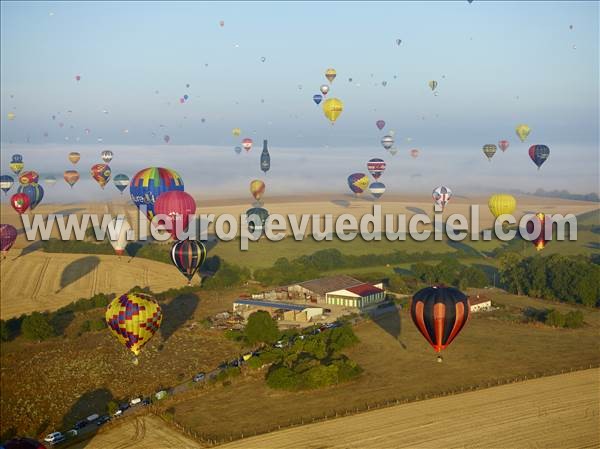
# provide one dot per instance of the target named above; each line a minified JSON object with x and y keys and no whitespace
{"x":593,"y":245}
{"x":388,"y":319}
{"x":91,"y":402}
{"x":463,"y":248}
{"x":78,"y":269}
{"x":491,"y":272}
{"x":176,"y":313}
{"x":31,"y":248}
{"x":73,"y":210}
{"x":416,"y":210}
{"x":341,"y":203}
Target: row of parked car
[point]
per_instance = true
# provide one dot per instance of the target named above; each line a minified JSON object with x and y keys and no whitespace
{"x":55,"y":438}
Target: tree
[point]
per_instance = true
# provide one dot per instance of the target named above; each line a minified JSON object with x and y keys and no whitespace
{"x":555,"y":318}
{"x":511,"y":271}
{"x":261,"y":328}
{"x":283,"y":378}
{"x":112,"y":407}
{"x":37,"y":327}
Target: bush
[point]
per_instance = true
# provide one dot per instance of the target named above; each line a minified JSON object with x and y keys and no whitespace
{"x":341,"y":338}
{"x":92,"y":325}
{"x":37,"y":327}
{"x":320,"y":376}
{"x":112,"y":407}
{"x":9,"y":329}
{"x":555,"y":319}
{"x":347,"y":369}
{"x":283,"y":378}
{"x":234,"y":335}
{"x":227,"y":276}
{"x":574,"y":319}
{"x":261,"y":328}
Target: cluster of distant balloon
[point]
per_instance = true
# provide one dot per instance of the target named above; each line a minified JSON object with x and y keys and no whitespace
{"x":332,"y":107}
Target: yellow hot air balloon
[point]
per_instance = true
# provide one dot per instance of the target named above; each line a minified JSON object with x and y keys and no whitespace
{"x":133,"y":318}
{"x":236,"y":131}
{"x":332,"y":108}
{"x":10,"y":116}
{"x":74,"y":157}
{"x":501,"y":204}
{"x":330,"y":74}
{"x":16,"y":167}
{"x":522,"y":131}
{"x":257,"y":188}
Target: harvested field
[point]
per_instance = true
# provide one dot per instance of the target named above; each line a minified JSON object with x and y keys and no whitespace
{"x":559,"y":411}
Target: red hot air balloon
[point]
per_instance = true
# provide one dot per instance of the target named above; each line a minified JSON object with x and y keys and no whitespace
{"x":503,"y":145}
{"x":439,"y":313}
{"x":8,"y":235}
{"x":414,"y":153}
{"x":538,"y":241}
{"x":28,"y":177}
{"x":178,"y":206}
{"x":247,"y":144}
{"x":20,"y":202}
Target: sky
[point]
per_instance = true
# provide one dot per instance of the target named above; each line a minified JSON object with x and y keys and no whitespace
{"x":497,"y":64}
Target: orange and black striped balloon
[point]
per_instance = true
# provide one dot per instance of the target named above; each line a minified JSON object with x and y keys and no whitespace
{"x":439,"y":313}
{"x":187,"y":256}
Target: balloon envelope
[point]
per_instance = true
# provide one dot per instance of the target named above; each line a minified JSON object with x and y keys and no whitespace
{"x":439,"y":313}
{"x":120,"y":243}
{"x":358,"y":182}
{"x":256,"y":218}
{"x":29,"y":177}
{"x":377,"y":189}
{"x":74,"y":157}
{"x":376,"y":167}
{"x":317,"y":98}
{"x":101,"y":174}
{"x":121,"y":182}
{"x":71,"y":177}
{"x":501,"y":204}
{"x":6,"y":182}
{"x":489,"y":150}
{"x":133,"y":318}
{"x":257,"y":189}
{"x":35,"y":192}
{"x":148,"y":184}
{"x":539,"y":154}
{"x":503,"y":145}
{"x":522,"y":131}
{"x":380,"y":124}
{"x":188,"y":256}
{"x":387,"y":142}
{"x":441,"y":195}
{"x":19,"y":202}
{"x":178,"y":206}
{"x":332,"y":108}
{"x":247,"y":144}
{"x":106,"y":156}
{"x":8,"y":235}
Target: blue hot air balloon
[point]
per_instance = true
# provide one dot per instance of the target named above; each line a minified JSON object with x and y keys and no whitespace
{"x":6,"y":182}
{"x":317,"y":98}
{"x":34,"y":191}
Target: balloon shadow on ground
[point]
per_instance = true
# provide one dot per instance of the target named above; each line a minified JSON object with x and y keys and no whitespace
{"x":78,"y":269}
{"x":176,"y":313}
{"x":463,"y":248}
{"x":403,"y":271}
{"x":91,"y":402}
{"x":388,"y":319}
{"x":416,"y":210}
{"x":341,"y":203}
{"x":73,"y":210}
{"x":31,"y":248}
{"x":491,"y":272}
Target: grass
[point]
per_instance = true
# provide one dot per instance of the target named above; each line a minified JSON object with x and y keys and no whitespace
{"x":397,"y":364}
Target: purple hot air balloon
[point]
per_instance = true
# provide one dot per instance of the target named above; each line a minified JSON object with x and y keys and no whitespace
{"x":380,"y":124}
{"x":8,"y":235}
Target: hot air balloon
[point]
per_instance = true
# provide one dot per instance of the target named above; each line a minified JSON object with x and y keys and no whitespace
{"x":441,"y":195}
{"x":376,"y":167}
{"x":238,"y":150}
{"x":330,"y":74}
{"x":148,"y":184}
{"x":6,"y":182}
{"x":8,"y":235}
{"x":71,"y":177}
{"x":539,"y":154}
{"x":332,"y":108}
{"x":439,"y":313}
{"x":50,"y":180}
{"x":387,"y":142}
{"x":121,"y":225}
{"x":167,"y":138}
{"x":377,"y":189}
{"x":236,"y":131}
{"x":380,"y":124}
{"x":398,"y":41}
{"x":106,"y":156}
{"x":256,"y":218}
{"x":432,"y":84}
{"x":19,"y":202}
{"x":188,"y":256}
{"x":74,"y":157}
{"x":414,"y":153}
{"x":186,"y":96}
{"x":178,"y":206}
{"x":522,"y":131}
{"x":257,"y":189}
{"x":324,"y":89}
{"x":358,"y":182}
{"x":489,"y":150}
{"x":501,"y":204}
{"x":247,"y":144}
{"x":221,"y":24}
{"x":133,"y":318}
{"x":393,"y":151}
{"x":101,"y":174}
{"x":503,"y":144}
{"x":317,"y":98}
{"x":265,"y":158}
{"x":10,"y":116}
{"x":77,"y":77}
{"x":34,"y":191}
{"x":121,"y":182}
{"x":16,"y":163}
{"x":29,"y":177}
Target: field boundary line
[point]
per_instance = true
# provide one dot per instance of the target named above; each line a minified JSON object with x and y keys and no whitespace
{"x":38,"y":283}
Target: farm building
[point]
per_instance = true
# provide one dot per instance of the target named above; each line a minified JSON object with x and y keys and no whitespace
{"x":479,"y":303}
{"x":280,"y":310}
{"x":358,"y":296}
{"x":337,"y":290}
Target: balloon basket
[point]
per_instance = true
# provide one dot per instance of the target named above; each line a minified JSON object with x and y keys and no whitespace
{"x":439,"y":359}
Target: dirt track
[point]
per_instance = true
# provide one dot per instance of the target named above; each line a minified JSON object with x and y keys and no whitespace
{"x":553,"y":412}
{"x":45,"y":281}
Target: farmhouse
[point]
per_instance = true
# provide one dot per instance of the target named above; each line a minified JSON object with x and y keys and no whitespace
{"x":479,"y":303}
{"x":278,"y":310}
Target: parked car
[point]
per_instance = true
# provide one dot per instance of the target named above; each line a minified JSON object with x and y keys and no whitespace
{"x":124,"y":406}
{"x":199,"y":377}
{"x":135,"y":401}
{"x":146,"y":401}
{"x":92,"y":418}
{"x":54,"y":438}
{"x":118,"y":413}
{"x":102,"y":420}
{"x":223,"y":365}
{"x":80,"y":424}
{"x":279,"y":344}
{"x":160,"y":394}
{"x":72,"y":433}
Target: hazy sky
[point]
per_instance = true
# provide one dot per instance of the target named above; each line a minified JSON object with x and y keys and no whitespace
{"x":497,"y":64}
